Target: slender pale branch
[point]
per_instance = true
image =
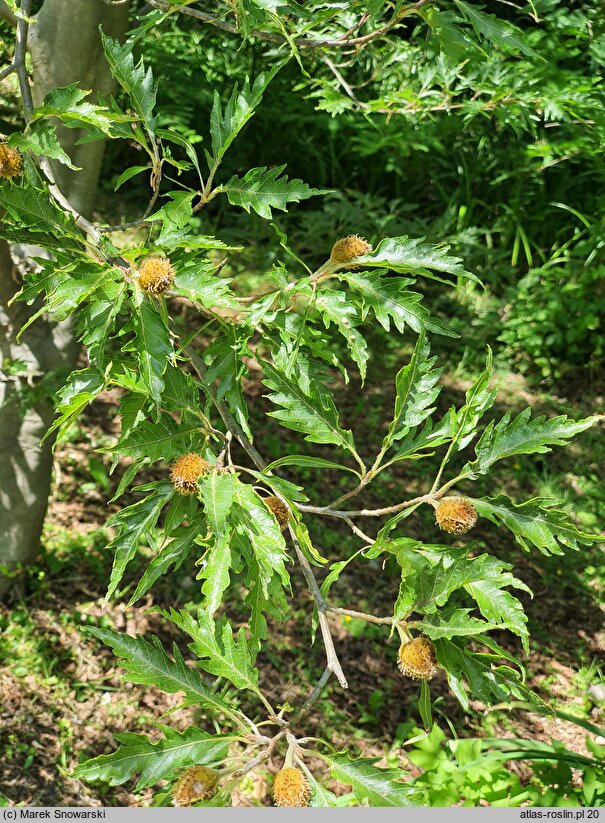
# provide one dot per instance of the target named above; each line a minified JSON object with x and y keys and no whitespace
{"x":19,"y":59}
{"x":369,"y":618}
{"x":333,"y":662}
{"x":356,"y":530}
{"x":344,"y":515}
{"x":332,"y":658}
{"x":317,"y":689}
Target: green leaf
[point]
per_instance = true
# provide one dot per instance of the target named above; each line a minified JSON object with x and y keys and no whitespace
{"x":499,"y":606}
{"x":320,"y":796}
{"x":181,"y":391}
{"x":215,"y":572}
{"x":135,"y":80}
{"x":226,"y":124}
{"x":164,"y":439}
{"x":174,"y":137}
{"x":217,"y":492}
{"x":132,"y":524}
{"x":262,"y":189}
{"x":306,"y":404}
{"x":484,"y":578}
{"x":67,"y":104}
{"x":416,"y":257}
{"x":374,"y":786}
{"x":35,"y":209}
{"x":220,"y":655}
{"x":499,"y":32}
{"x":80,"y":389}
{"x":252,"y":518}
{"x":175,"y":214}
{"x":480,"y":672}
{"x":155,"y":761}
{"x":95,"y":319}
{"x":274,"y":602}
{"x":223,"y":357}
{"x":479,"y":398}
{"x":146,"y":662}
{"x":154,"y":346}
{"x":280,"y":486}
{"x":388,"y":298}
{"x":170,"y":556}
{"x":66,"y":286}
{"x":522,"y":436}
{"x":538,"y":522}
{"x":197,"y":280}
{"x":417,"y":388}
{"x":306,"y":460}
{"x":335,"y":308}
{"x":128,"y":174}
{"x":41,"y":139}
{"x":453,"y":41}
{"x":455,"y":623}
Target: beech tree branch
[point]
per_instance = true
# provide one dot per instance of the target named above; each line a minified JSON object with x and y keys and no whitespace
{"x":300,"y":42}
{"x":333,"y":663}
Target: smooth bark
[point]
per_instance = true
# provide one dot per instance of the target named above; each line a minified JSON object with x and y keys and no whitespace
{"x":65,"y":47}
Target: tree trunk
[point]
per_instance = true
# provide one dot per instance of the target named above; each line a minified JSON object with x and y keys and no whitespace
{"x":65,"y":47}
{"x":25,"y":467}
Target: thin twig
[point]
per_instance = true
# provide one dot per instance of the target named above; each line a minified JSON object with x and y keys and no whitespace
{"x":333,"y":662}
{"x":344,"y":515}
{"x":312,"y":697}
{"x":19,"y":60}
{"x":343,"y":83}
{"x":356,"y":530}
{"x":8,"y":70}
{"x":369,"y":618}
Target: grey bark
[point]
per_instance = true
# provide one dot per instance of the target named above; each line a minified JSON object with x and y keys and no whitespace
{"x":65,"y":48}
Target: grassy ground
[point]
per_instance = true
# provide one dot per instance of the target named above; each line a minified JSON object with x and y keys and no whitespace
{"x":62,"y":696}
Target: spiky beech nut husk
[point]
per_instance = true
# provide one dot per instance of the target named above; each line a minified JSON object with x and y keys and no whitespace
{"x":186,"y":471}
{"x":156,"y":275}
{"x":455,"y":515}
{"x":10,"y":162}
{"x":195,"y":784}
{"x":347,"y":249}
{"x":279,"y":509}
{"x":416,"y":658}
{"x":290,"y":788}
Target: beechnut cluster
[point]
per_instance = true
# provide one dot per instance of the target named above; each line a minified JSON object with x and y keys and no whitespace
{"x":290,"y":788}
{"x":455,"y":515}
{"x":11,"y":163}
{"x":195,"y":784}
{"x":155,"y":275}
{"x":347,"y":249}
{"x":188,"y":469}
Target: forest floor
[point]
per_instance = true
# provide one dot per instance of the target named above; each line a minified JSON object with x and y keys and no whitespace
{"x":62,"y":696}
